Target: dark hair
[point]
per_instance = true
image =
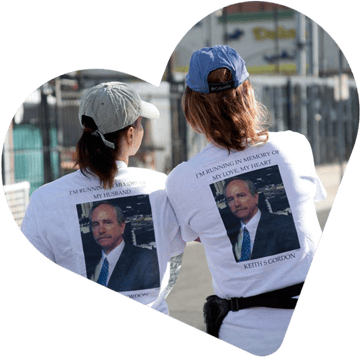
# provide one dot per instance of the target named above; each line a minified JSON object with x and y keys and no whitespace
{"x":232,"y":119}
{"x":94,"y":157}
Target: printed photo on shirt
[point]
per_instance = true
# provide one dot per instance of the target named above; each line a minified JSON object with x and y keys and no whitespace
{"x":119,"y":243}
{"x":256,"y":213}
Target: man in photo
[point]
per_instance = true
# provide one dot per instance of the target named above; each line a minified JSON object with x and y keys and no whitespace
{"x":259,"y":234}
{"x":122,"y":267}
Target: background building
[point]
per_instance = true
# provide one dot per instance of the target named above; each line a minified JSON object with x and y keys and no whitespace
{"x":297,"y":71}
{"x":269,"y":36}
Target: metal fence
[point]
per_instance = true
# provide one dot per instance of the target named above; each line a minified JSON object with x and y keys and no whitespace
{"x":17,"y":196}
{"x":42,"y":147}
{"x":325,"y":110}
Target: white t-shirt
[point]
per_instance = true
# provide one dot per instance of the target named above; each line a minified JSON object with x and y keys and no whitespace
{"x":57,"y":223}
{"x":284,"y":174}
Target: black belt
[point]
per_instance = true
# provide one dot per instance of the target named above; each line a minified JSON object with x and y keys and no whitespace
{"x":215,"y":308}
{"x":278,"y":299}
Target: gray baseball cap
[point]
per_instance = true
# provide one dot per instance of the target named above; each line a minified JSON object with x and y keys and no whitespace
{"x":114,"y":106}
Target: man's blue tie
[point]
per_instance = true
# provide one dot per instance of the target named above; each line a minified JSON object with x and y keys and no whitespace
{"x":245,"y":249}
{"x":104,"y":273}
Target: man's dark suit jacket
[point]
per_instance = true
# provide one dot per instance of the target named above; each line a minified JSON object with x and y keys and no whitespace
{"x":136,"y":269}
{"x":275,"y":234}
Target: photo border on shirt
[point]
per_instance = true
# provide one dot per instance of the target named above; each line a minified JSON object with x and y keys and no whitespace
{"x":139,"y":233}
{"x":273,"y":203}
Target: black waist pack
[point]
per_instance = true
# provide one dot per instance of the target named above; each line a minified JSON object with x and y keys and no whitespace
{"x":216,"y":309}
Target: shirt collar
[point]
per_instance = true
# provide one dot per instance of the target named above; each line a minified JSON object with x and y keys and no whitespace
{"x":114,"y":255}
{"x":121,"y":165}
{"x":254,"y":221}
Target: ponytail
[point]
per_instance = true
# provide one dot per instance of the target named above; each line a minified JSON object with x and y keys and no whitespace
{"x":94,"y":157}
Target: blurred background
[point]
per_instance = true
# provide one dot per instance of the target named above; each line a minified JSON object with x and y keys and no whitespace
{"x":297,"y":71}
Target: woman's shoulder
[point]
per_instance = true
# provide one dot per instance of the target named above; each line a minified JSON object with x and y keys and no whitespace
{"x":146,"y":173}
{"x":176,"y":174}
{"x":287,"y":135}
{"x":212,"y":156}
{"x":210,"y":153}
{"x":187,"y":166}
{"x":60,"y":190}
{"x":62,"y":182}
{"x":142,"y":177}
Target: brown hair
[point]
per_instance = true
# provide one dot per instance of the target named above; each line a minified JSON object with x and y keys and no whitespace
{"x":231,"y":119}
{"x":94,"y":157}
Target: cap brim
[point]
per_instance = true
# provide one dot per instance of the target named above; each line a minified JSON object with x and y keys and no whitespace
{"x":149,"y":111}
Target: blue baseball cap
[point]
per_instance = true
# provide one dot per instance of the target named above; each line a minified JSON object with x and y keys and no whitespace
{"x":206,"y":60}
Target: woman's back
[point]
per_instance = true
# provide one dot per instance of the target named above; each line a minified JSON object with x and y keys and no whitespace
{"x":109,"y":222}
{"x":284,"y":231}
{"x":249,"y":197}
{"x":284,"y":174}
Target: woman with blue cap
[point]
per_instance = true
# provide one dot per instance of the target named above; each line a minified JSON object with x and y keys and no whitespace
{"x":248,"y":196}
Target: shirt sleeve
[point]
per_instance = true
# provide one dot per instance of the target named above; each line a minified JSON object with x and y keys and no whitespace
{"x":181,"y":208}
{"x":319,"y":192}
{"x":31,"y":229}
{"x":168,"y":222}
{"x":177,"y":244}
{"x":304,"y":163}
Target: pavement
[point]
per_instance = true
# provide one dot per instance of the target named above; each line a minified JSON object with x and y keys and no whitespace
{"x":187,"y":298}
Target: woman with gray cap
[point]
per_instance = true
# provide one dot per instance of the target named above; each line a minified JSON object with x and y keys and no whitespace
{"x":109,"y":222}
{"x":110,"y":115}
{"x":249,"y":198}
